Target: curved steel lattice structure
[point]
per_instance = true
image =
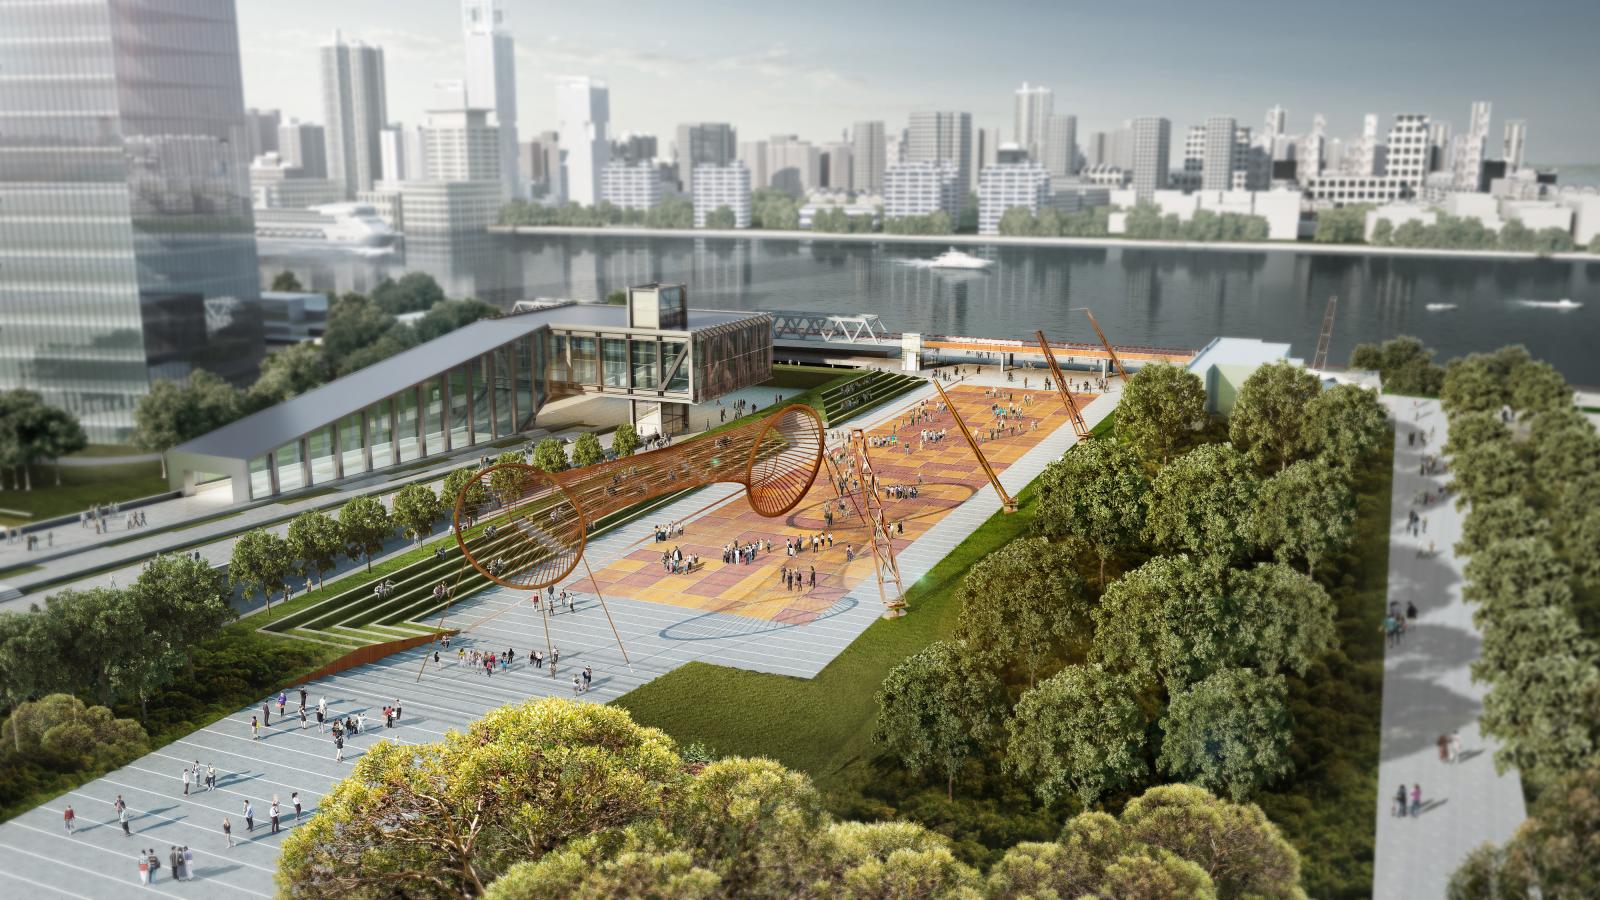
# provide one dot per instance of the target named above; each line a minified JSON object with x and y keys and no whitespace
{"x":527,"y":527}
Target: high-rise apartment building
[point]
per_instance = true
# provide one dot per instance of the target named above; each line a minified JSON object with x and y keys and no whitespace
{"x":1216,"y":173}
{"x":355,"y":108}
{"x":922,"y":188}
{"x":1471,"y":149}
{"x":716,"y":187}
{"x":491,"y":82}
{"x":631,"y":148}
{"x":583,"y":109}
{"x":793,"y":165}
{"x":868,"y":157}
{"x":704,"y":144}
{"x":127,"y":247}
{"x":1033,"y":108}
{"x":985,"y":153}
{"x":540,"y":163}
{"x":461,"y":145}
{"x":753,"y":154}
{"x":1362,"y":159}
{"x":402,"y":153}
{"x":1061,"y":146}
{"x":261,"y":130}
{"x":836,"y":166}
{"x":1312,"y":156}
{"x":1277,"y":120}
{"x":1152,"y":140}
{"x":304,"y":145}
{"x":1516,"y":144}
{"x":937,"y":136}
{"x":1003,"y":187}
{"x":631,"y":186}
{"x":1407,"y":153}
{"x":1439,"y":147}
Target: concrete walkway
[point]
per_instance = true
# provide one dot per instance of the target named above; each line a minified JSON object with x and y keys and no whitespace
{"x":1428,"y":690}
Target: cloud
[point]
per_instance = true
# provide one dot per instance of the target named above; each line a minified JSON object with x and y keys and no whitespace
{"x":777,"y":63}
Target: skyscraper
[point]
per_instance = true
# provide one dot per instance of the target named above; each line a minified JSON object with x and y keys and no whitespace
{"x":491,"y":67}
{"x":127,"y":249}
{"x":1061,"y":146}
{"x":1152,"y":141}
{"x":1407,"y":153}
{"x":793,"y":165}
{"x":1034,"y":107}
{"x":1216,"y":173}
{"x":583,"y":109}
{"x":704,"y":144}
{"x":1312,"y":156}
{"x":869,"y":157}
{"x":1277,"y":120}
{"x":1363,"y":157}
{"x":943,"y":137}
{"x":836,"y":165}
{"x":1470,"y":149}
{"x":261,"y":130}
{"x":1516,"y":144}
{"x":355,"y":108}
{"x":304,"y":145}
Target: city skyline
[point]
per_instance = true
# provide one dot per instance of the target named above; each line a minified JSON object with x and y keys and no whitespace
{"x":776,"y":75}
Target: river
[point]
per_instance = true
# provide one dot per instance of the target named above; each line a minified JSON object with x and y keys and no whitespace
{"x":1155,"y":296}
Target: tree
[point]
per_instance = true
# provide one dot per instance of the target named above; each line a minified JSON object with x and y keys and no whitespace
{"x":178,"y":602}
{"x":1161,"y":408}
{"x":1230,"y":731}
{"x":1583,"y":535}
{"x":1565,"y":455}
{"x":1306,"y":512}
{"x":1405,"y":365}
{"x":1537,"y":387}
{"x":1490,"y":471}
{"x":1474,"y":429}
{"x":260,"y":562}
{"x":1235,"y":844}
{"x":1515,"y":573}
{"x":1202,"y":503}
{"x":1079,"y":732}
{"x":31,"y":432}
{"x":586,"y":450}
{"x":550,"y":456}
{"x":625,"y":440}
{"x":287,"y":282}
{"x":1096,"y":493}
{"x":1382,"y":233}
{"x":1553,"y":852}
{"x":365,"y":525}
{"x":1023,"y":606}
{"x":448,"y":315}
{"x":414,"y":292}
{"x":1538,"y":712}
{"x":1479,"y":382}
{"x":756,"y":824}
{"x":459,"y":479}
{"x":722,"y":217}
{"x":314,"y":540}
{"x":935,"y":710}
{"x":1345,"y":425}
{"x":60,"y":731}
{"x":416,"y":508}
{"x":632,"y":873}
{"x":289,"y":373}
{"x":444,"y":819}
{"x":1272,"y":412}
{"x":172,"y":413}
{"x":507,"y":478}
{"x":1345,"y":225}
{"x":1509,"y":518}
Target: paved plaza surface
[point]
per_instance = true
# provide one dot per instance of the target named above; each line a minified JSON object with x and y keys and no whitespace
{"x":1428,"y":689}
{"x":99,"y":861}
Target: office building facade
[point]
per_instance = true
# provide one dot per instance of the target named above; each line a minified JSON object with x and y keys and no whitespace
{"x":304,"y":145}
{"x":1216,"y":172}
{"x":1024,"y":185}
{"x":868,"y":157}
{"x":1152,"y":141}
{"x":938,"y":136}
{"x":261,"y":130}
{"x":461,"y":145}
{"x":1515,"y":147}
{"x":491,"y":82}
{"x":793,"y":166}
{"x":1032,"y":109}
{"x":1407,"y":153}
{"x":636,"y":186}
{"x":1471,"y":149}
{"x":704,"y":144}
{"x":922,"y":188}
{"x":583,"y":108}
{"x":1061,"y":146}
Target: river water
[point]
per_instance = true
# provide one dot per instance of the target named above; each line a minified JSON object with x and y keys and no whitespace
{"x":1140,"y":295}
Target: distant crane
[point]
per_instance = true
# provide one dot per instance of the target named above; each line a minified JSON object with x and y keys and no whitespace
{"x":1320,"y":361}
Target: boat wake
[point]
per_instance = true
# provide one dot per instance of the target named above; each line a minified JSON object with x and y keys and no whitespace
{"x":1439,"y":307}
{"x":1563,"y":303}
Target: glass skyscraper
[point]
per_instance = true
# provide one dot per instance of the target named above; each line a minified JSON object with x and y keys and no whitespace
{"x":127,"y":249}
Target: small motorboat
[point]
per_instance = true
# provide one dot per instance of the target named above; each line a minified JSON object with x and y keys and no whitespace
{"x":955,"y":259}
{"x":1563,"y":303}
{"x":1439,"y":307}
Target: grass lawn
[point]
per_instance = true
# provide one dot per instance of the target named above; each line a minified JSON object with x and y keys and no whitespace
{"x":81,"y":487}
{"x":96,"y":451}
{"x":14,"y":571}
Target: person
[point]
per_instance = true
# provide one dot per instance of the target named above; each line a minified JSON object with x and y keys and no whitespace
{"x":338,"y":748}
{"x":227,"y":831}
{"x":1411,"y":611}
{"x":1399,"y":808}
{"x":122,"y":816}
{"x":303,"y":721}
{"x":302,"y":696}
{"x":588,"y":678}
{"x":1443,"y":743}
{"x":1416,"y":800}
{"x":187,"y":857}
{"x":577,"y":685}
{"x":144,"y":868}
{"x":1455,"y":746}
{"x":186,"y":782}
{"x":272,"y":812}
{"x":255,"y":729}
{"x":70,"y":819}
{"x":266,"y":713}
{"x":155,"y":864}
{"x":174,"y":861}
{"x":211,"y":777}
{"x":294,"y":797}
{"x":249,"y":817}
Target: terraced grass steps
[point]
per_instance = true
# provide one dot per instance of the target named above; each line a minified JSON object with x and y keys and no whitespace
{"x":868,"y":392}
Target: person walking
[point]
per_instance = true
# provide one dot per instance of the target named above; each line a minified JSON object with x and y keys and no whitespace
{"x":1416,"y":800}
{"x":250,"y":816}
{"x":255,"y":729}
{"x":294,"y":797}
{"x":1399,"y":807}
{"x":70,"y":820}
{"x":186,"y":782}
{"x":227,"y":831}
{"x":122,"y":816}
{"x":272,"y":811}
{"x":338,"y":749}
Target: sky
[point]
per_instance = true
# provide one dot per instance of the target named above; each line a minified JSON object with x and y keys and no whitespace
{"x":812,"y":68}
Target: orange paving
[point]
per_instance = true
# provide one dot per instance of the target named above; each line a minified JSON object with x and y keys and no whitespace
{"x":949,"y":476}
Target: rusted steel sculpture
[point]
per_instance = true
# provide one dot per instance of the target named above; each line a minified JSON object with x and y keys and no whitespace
{"x":530,"y":526}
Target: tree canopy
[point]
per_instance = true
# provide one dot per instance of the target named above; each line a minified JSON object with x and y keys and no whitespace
{"x":1345,"y":425}
{"x":1095,"y":493}
{"x":1304,"y":513}
{"x":1406,"y":366}
{"x":1023,"y":606}
{"x":365,"y":525}
{"x":1201,"y":504}
{"x":1161,"y":408}
{"x":260,"y":562}
{"x":1229,"y":732}
{"x":1271,"y":415}
{"x":935,"y":709}
{"x":314,"y":540}
{"x":1079,"y":733}
{"x":416,"y":508}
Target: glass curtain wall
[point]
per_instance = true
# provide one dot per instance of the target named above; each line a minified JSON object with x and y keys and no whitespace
{"x":319,"y":448}
{"x":352,"y":446}
{"x":433,"y":415}
{"x":504,"y":381}
{"x":615,"y":351}
{"x":460,"y":408}
{"x":482,"y":426}
{"x":524,"y":352}
{"x":406,"y":425}
{"x":380,"y":431}
{"x":260,"y":478}
{"x":291,"y":476}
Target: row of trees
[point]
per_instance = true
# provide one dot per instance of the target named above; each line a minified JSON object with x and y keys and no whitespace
{"x":933,"y":223}
{"x":31,"y":432}
{"x":1019,"y":222}
{"x":1469,"y":233}
{"x":1179,"y":665}
{"x":625,"y":813}
{"x":672,"y":212}
{"x":1146,"y":222}
{"x":1406,"y":366}
{"x":361,"y":330}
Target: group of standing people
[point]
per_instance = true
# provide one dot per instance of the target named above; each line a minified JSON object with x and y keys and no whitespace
{"x":181,"y":860}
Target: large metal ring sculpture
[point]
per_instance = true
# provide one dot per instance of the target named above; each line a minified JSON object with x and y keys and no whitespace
{"x":522,"y":527}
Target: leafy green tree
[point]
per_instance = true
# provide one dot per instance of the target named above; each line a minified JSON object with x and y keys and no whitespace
{"x":625,"y":440}
{"x":1345,"y":225}
{"x":1406,"y":366}
{"x":260,"y":562}
{"x":1480,"y":382}
{"x":178,"y":602}
{"x":1229,"y":732}
{"x":1565,"y":455}
{"x":507,"y":484}
{"x":1537,"y":712}
{"x":632,"y":873}
{"x":365,"y":525}
{"x":1272,"y":413}
{"x":1490,"y":471}
{"x":1235,"y":844}
{"x":1161,"y":408}
{"x":586,"y":450}
{"x":416,"y":508}
{"x":550,"y":455}
{"x":289,"y":373}
{"x":1201,"y":503}
{"x":1345,"y":425}
{"x":414,"y":292}
{"x":756,"y":824}
{"x":459,"y":479}
{"x":1079,"y":732}
{"x":315,"y":541}
{"x":1382,"y":233}
{"x":1023,"y":606}
{"x":1537,"y":387}
{"x":1515,"y":573}
{"x":1582,"y":536}
{"x":60,"y":731}
{"x":1017,"y":220}
{"x":1474,"y":429}
{"x":1289,"y":616}
{"x":722,"y":217}
{"x":287,"y":282}
{"x":448,"y":315}
{"x":1508,"y":518}
{"x":1552,"y":852}
{"x":172,"y":413}
{"x":1156,"y":875}
{"x":1306,"y":512}
{"x":444,"y":819}
{"x":1095,"y":493}
{"x":1523,"y":632}
{"x":935,"y":710}
{"x":31,"y":432}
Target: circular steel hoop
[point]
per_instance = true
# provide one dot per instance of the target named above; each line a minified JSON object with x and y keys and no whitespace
{"x":784,"y":460}
{"x":519,"y":527}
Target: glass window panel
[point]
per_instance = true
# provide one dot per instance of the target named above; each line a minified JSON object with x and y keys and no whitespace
{"x":503,"y":383}
{"x":680,"y":378}
{"x":525,"y":351}
{"x":319,"y":447}
{"x":460,"y":408}
{"x":559,"y":369}
{"x":646,"y":374}
{"x":352,"y":449}
{"x":482,"y":427}
{"x":290,"y":475}
{"x":433,"y":419}
{"x":260,"y":478}
{"x":585,"y":360}
{"x":406,"y":429}
{"x":616,"y":360}
{"x":380,"y":432}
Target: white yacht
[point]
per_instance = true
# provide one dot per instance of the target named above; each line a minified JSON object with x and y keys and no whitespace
{"x":1563,"y":303}
{"x":955,"y":259}
{"x":333,"y":225}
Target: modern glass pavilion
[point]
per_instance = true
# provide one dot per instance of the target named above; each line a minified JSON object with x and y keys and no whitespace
{"x":480,"y":384}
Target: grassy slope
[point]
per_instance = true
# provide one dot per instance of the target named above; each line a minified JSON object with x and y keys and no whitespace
{"x":81,"y":487}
